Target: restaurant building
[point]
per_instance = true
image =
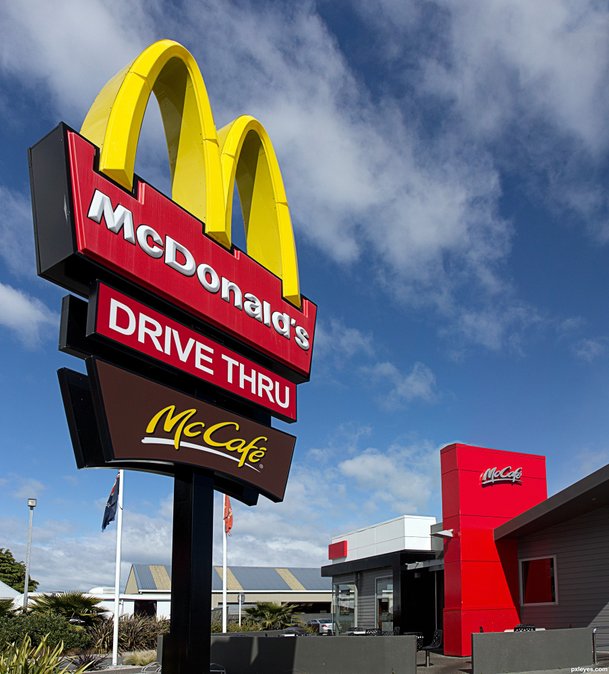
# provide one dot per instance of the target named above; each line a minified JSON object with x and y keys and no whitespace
{"x":504,"y":554}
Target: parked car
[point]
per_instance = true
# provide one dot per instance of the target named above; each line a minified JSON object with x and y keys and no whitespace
{"x":293,"y":631}
{"x":322,"y":626}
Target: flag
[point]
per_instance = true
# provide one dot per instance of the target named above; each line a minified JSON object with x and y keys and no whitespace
{"x":110,"y":511}
{"x":228,"y":515}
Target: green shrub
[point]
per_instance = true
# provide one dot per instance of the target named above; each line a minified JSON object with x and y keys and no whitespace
{"x":56,"y":629}
{"x":89,"y":660}
{"x":71,"y":605}
{"x":24,"y":657}
{"x":140,"y":658}
{"x":6,"y":607}
{"x":271,"y":616}
{"x":135,"y":633}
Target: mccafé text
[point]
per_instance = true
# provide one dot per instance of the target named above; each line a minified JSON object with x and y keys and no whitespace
{"x":180,"y":425}
{"x":507,"y":474}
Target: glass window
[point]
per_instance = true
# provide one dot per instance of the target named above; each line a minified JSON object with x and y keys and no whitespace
{"x":538,"y":581}
{"x":344,"y":605}
{"x":384,"y":604}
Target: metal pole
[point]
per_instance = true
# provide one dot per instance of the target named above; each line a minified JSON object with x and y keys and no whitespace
{"x":31,"y":502}
{"x":186,"y":649}
{"x":240,"y":603}
{"x":117,"y":567}
{"x":224,"y":580}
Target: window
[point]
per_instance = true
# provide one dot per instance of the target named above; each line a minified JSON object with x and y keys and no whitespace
{"x":384,"y":604}
{"x":538,"y":581}
{"x":344,"y":606}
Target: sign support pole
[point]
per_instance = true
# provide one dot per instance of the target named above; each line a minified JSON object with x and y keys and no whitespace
{"x":187,"y":647}
{"x":117,"y":566}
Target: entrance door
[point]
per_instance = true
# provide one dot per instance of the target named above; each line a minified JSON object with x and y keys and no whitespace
{"x":384,"y":604}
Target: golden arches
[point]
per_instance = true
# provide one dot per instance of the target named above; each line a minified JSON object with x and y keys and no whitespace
{"x":204,"y":164}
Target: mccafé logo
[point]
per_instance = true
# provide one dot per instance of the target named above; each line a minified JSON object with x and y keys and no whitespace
{"x":220,"y":434}
{"x":162,"y":426}
{"x":495,"y":475}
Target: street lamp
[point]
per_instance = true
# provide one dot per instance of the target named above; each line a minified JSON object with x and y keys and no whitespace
{"x":31,"y":504}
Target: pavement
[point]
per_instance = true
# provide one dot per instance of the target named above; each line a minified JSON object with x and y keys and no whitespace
{"x":444,"y":664}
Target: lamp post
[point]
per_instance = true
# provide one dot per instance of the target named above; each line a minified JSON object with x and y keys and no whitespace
{"x":31,"y":504}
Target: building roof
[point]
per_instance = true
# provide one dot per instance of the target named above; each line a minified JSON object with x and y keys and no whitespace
{"x":157,"y":578}
{"x":581,"y":497}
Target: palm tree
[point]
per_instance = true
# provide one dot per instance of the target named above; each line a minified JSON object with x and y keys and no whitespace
{"x":270,"y":616}
{"x":77,"y":607}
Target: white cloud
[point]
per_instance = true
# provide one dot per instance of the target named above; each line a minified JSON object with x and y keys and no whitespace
{"x":405,"y":189}
{"x":339,"y":342}
{"x":25,"y":315}
{"x":399,"y":387}
{"x":590,"y":349}
{"x":16,"y":233}
{"x":400,"y":478}
{"x":68,"y":50}
{"x":28,"y":488}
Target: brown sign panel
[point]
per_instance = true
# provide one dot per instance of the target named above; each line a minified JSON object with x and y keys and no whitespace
{"x":143,"y":421}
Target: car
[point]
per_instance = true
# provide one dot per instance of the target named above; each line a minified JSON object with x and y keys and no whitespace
{"x":323,"y":626}
{"x":293,"y":631}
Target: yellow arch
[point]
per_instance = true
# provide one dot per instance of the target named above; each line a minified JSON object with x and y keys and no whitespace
{"x":248,"y":158}
{"x":202,"y":174}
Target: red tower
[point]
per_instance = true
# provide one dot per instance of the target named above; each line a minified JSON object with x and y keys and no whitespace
{"x":481,"y":489}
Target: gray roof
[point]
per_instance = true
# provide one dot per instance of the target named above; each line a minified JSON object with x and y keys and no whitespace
{"x":587,"y":494}
{"x":157,"y":578}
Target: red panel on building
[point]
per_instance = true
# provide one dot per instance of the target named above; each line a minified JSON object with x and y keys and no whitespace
{"x":481,"y":489}
{"x":337,"y":550}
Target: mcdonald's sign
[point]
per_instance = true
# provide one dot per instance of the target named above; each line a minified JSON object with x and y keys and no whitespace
{"x":95,"y":220}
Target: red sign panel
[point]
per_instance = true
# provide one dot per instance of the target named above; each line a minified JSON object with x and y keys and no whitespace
{"x":145,"y":421}
{"x":151,"y":241}
{"x":130,"y":323}
{"x":337,"y":550}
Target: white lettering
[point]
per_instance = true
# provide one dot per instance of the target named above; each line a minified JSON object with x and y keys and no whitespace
{"x":178,"y":257}
{"x":117,"y":219}
{"x":115,"y":305}
{"x":213,"y":285}
{"x":265,"y":384}
{"x":494,"y":475}
{"x":144,"y":232}
{"x":188,"y":266}
{"x":252,"y":306}
{"x":231,"y":364}
{"x":281,"y":323}
{"x":302,"y":338}
{"x":182,"y":353}
{"x":227,"y":286}
{"x":148,"y":326}
{"x":204,"y":353}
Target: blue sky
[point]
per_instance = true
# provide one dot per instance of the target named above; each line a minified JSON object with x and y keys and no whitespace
{"x":446,"y":166}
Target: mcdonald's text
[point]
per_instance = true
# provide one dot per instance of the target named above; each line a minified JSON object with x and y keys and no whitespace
{"x":123,"y":320}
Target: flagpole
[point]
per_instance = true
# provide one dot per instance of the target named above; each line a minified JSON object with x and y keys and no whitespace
{"x":117,"y":567}
{"x":224,"y":584}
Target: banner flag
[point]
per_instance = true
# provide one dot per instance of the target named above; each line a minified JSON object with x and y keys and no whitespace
{"x":110,"y":511}
{"x":228,"y":515}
